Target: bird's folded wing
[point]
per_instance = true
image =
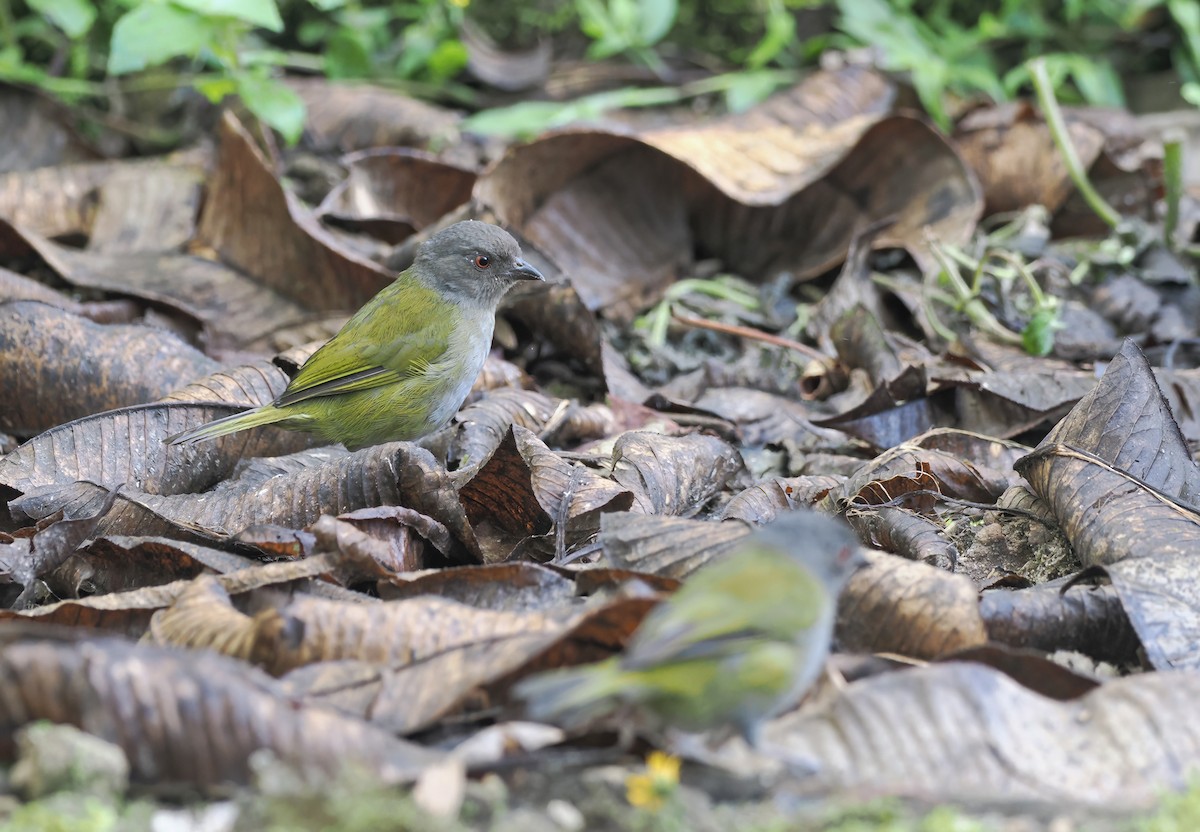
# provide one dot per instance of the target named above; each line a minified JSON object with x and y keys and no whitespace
{"x":362,"y":380}
{"x":340,"y":367}
{"x":687,"y":649}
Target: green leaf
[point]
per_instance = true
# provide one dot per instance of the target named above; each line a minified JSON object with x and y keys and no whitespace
{"x":1097,"y":81}
{"x":519,"y":121}
{"x":152,"y":34}
{"x":419,"y":45}
{"x":347,"y":55}
{"x":262,"y":13}
{"x":530,"y":118}
{"x":781,"y":31}
{"x":657,"y":17}
{"x":746,"y":89}
{"x":929,"y":80}
{"x":275,"y":103}
{"x":14,"y":68}
{"x":1038,"y":336}
{"x":327,"y":5}
{"x":216,"y":89}
{"x":447,"y":60}
{"x":74,"y":17}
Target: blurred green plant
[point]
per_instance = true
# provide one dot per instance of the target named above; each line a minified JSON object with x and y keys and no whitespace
{"x":656,"y":321}
{"x":402,"y":39}
{"x":949,"y":48}
{"x":954,"y":47}
{"x":226,"y":47}
{"x":626,"y":26}
{"x":1004,"y":269}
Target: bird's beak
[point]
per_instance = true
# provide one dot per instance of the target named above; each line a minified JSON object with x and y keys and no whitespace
{"x":523,"y":271}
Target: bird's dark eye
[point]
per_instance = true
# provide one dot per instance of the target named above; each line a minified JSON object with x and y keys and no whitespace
{"x":482,"y":261}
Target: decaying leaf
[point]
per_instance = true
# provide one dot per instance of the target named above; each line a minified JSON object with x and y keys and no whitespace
{"x":760,"y":503}
{"x":314,"y":629}
{"x":964,"y":731}
{"x":56,"y":366}
{"x":898,"y":606}
{"x":673,"y":475}
{"x":471,"y":677}
{"x":1089,"y":619}
{"x":906,"y":533}
{"x":1117,"y":474}
{"x":670,"y":546}
{"x":172,"y":712}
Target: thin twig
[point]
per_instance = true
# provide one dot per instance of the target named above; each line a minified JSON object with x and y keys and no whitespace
{"x":754,"y":335}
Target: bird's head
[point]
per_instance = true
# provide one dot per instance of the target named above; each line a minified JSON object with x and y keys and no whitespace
{"x":474,"y":262}
{"x":825,"y":545}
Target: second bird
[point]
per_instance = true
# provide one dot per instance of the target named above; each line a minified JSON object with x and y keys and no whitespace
{"x":403,"y":364}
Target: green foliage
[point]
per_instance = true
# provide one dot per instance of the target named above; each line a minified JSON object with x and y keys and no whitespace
{"x":74,"y":17}
{"x":948,"y":48}
{"x":229,"y":47}
{"x":960,"y":49}
{"x":65,"y":813}
{"x":617,"y":26}
{"x":886,"y":815}
{"x":402,"y":39}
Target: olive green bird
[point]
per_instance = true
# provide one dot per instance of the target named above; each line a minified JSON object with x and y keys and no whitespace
{"x":738,"y":643}
{"x":403,"y":364}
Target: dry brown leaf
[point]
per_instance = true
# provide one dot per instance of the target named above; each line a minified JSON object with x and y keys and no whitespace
{"x":129,"y":612}
{"x":515,"y":587}
{"x":761,"y":502}
{"x":355,"y":116}
{"x":56,"y":366}
{"x":389,"y":193}
{"x":791,"y":162}
{"x":673,"y":547}
{"x":258,"y":227}
{"x":471,"y":677}
{"x":674,"y":475}
{"x":234,"y":307}
{"x":311,"y":630}
{"x":906,"y":533}
{"x":898,"y":606}
{"x":26,"y":559}
{"x":117,"y":564}
{"x":192,"y":718}
{"x":33,"y":135}
{"x":1089,"y":619}
{"x":482,"y":425}
{"x":1014,"y":156}
{"x":526,"y":490}
{"x":147,"y":207}
{"x":125,"y":447}
{"x":75,"y":200}
{"x":505,"y":69}
{"x":963,"y":731}
{"x":763,"y":417}
{"x":394,"y":537}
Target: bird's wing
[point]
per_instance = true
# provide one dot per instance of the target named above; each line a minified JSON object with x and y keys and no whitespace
{"x":713,"y":647}
{"x":751,"y":595}
{"x":344,"y":365}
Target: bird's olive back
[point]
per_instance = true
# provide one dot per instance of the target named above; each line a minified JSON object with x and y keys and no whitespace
{"x":470,"y":260}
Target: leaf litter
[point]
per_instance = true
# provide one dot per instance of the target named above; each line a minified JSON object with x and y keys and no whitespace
{"x":194,"y":604}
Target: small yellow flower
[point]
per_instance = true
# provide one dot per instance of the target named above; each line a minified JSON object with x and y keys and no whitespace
{"x":462,"y":4}
{"x":651,"y":790}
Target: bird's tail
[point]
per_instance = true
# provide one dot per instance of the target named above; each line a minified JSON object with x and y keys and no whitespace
{"x":573,"y":696}
{"x":265,"y":415}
